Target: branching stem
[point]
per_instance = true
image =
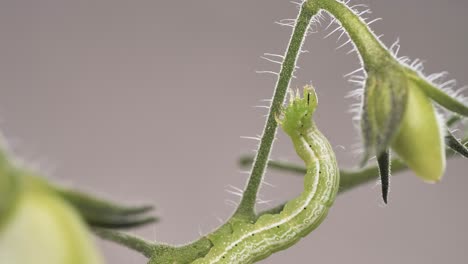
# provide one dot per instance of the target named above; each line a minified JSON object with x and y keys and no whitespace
{"x":371,"y":51}
{"x":246,"y":209}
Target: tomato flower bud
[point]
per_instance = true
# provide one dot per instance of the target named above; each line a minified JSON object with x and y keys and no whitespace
{"x":419,"y":140}
{"x":397,"y":114}
{"x":42,"y":223}
{"x":397,"y":106}
{"x":396,"y":110}
{"x":37,"y":226}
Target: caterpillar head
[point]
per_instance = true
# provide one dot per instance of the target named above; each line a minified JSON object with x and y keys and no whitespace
{"x":298,"y":113}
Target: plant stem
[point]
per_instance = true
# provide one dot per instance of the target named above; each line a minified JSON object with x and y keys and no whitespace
{"x":138,"y":244}
{"x":246,"y":209}
{"x":371,"y":50}
{"x":348,"y":178}
{"x":158,"y":253}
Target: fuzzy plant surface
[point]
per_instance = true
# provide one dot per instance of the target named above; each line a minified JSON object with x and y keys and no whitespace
{"x":397,"y":114}
{"x":45,"y":224}
{"x":406,"y":121}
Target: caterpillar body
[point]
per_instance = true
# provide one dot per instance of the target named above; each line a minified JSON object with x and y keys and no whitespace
{"x":251,"y":242}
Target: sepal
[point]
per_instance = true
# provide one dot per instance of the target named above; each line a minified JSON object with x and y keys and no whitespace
{"x":384,"y":163}
{"x":384,"y":105}
{"x":98,"y":212}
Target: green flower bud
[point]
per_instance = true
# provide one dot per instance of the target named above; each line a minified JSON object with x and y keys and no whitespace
{"x":397,"y":110}
{"x":42,"y":228}
{"x":419,"y":141}
{"x":399,"y":114}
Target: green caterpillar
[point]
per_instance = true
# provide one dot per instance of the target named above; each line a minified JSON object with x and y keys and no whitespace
{"x":251,"y":242}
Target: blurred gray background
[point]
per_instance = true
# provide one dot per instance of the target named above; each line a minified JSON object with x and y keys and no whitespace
{"x":147,"y":100}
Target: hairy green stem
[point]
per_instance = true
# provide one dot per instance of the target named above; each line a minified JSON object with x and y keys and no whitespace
{"x":370,"y":48}
{"x":164,"y":254}
{"x":371,"y":51}
{"x":442,"y":98}
{"x":246,"y":209}
{"x":138,"y":244}
{"x":157,"y":253}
